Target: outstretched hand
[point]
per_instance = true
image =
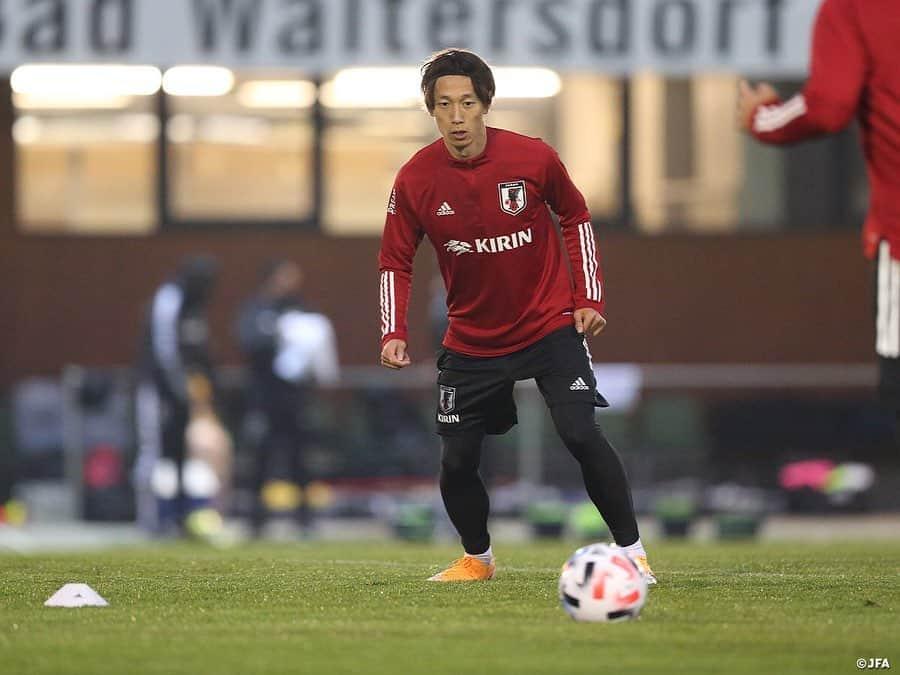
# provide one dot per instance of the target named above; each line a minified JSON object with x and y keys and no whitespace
{"x":394,"y":354}
{"x":589,"y":321}
{"x":749,"y":97}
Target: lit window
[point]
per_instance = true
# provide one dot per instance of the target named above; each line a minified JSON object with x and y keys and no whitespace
{"x":693,"y":171}
{"x":686,"y":153}
{"x":239,"y":146}
{"x":85,"y":148}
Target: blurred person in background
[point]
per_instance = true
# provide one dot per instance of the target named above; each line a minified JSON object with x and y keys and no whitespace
{"x":854,"y":72}
{"x":175,"y":367}
{"x":481,"y":196}
{"x":290,"y":352}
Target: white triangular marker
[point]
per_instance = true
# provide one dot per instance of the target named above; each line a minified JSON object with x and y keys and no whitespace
{"x":76,"y":595}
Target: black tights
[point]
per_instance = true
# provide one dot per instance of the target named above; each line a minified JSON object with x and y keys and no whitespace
{"x":466,"y":498}
{"x":463,"y":491}
{"x":601,"y":467}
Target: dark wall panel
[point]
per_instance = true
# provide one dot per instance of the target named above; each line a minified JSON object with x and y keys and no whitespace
{"x":82,"y":300}
{"x":732,"y":299}
{"x":790,"y":298}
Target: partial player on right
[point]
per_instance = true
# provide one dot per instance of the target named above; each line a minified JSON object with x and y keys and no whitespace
{"x":854,"y":71}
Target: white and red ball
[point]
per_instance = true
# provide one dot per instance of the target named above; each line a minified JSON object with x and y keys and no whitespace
{"x":600,"y":582}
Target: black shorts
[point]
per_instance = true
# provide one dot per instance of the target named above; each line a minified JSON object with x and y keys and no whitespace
{"x":476,"y":393}
{"x":887,"y":325}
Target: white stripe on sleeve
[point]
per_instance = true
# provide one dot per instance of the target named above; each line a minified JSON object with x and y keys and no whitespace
{"x":584,"y":260}
{"x":381,"y":303}
{"x":595,"y":274}
{"x":388,"y":301}
{"x":589,"y":265}
{"x":393,"y":303}
{"x":773,"y":117}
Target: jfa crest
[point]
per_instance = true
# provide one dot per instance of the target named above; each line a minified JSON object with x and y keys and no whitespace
{"x":512,"y":196}
{"x":448,"y":399}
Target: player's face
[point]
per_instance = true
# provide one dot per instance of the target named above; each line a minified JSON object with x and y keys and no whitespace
{"x":286,"y":280}
{"x":459,"y":116}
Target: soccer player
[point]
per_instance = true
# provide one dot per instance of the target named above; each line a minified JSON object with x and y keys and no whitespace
{"x":481,"y":196}
{"x":854,"y":71}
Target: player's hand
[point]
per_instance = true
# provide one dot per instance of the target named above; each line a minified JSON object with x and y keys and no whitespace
{"x":749,"y":97}
{"x":589,"y":321}
{"x":394,"y":355}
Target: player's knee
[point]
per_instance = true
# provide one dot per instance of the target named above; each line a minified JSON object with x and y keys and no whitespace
{"x":576,"y":426}
{"x":579,"y":439}
{"x":460,"y":455}
{"x":457,"y":463}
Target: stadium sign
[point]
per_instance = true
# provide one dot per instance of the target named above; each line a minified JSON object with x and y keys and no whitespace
{"x":615,"y":36}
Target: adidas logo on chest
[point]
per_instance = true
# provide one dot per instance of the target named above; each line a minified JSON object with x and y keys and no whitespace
{"x":445,"y":210}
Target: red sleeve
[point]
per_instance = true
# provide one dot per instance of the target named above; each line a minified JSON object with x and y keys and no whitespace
{"x":830,"y":97}
{"x":578,"y":234}
{"x":399,"y":242}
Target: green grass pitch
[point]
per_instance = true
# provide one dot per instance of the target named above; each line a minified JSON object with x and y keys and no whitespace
{"x":316,"y":607}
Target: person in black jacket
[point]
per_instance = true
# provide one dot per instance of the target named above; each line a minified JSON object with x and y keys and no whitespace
{"x":289,"y":351}
{"x":175,"y":361}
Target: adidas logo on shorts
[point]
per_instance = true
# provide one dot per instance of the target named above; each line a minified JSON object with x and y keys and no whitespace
{"x":579,"y":385}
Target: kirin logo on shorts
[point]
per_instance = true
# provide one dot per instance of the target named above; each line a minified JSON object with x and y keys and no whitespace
{"x":512,"y":196}
{"x":448,"y":399}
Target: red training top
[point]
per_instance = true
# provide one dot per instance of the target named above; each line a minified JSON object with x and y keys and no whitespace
{"x":496,"y":243}
{"x":855,"y":69}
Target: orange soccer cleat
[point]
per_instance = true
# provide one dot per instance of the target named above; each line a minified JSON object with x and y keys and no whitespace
{"x":644,"y":567}
{"x":466,"y":569}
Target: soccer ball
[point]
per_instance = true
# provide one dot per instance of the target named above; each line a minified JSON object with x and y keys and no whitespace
{"x":601,"y":583}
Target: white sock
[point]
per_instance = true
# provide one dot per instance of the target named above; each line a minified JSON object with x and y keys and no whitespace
{"x":636,"y":549}
{"x":487,"y":557}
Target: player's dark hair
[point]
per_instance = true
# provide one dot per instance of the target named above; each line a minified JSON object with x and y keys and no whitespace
{"x":196,"y":277}
{"x":458,"y":62}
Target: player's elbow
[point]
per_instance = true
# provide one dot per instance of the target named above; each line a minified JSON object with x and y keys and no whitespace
{"x":834,"y":121}
{"x":830,"y":116}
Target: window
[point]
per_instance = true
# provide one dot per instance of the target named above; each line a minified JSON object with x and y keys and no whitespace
{"x":239,"y":146}
{"x":693,"y":171}
{"x":257,"y":147}
{"x":374,"y":122}
{"x":588,"y":121}
{"x":686,"y":153}
{"x":85,"y":148}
